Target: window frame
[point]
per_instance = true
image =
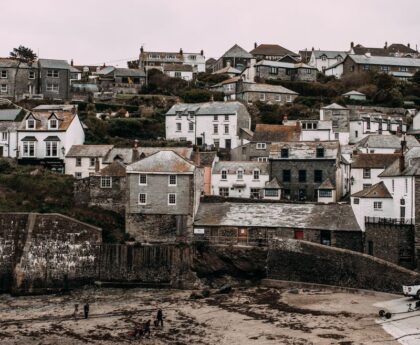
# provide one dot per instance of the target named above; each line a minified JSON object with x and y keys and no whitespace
{"x":6,"y":73}
{"x":78,"y":162}
{"x":377,"y":206}
{"x":140,"y":196}
{"x":256,"y":172}
{"x":318,"y":176}
{"x":50,"y":147}
{"x":287,"y":175}
{"x":106,"y":182}
{"x":224,"y":192}
{"x":140,"y":179}
{"x":171,"y":195}
{"x":226,"y":129}
{"x":170,"y":184}
{"x":28,"y":145}
{"x":367,"y":173}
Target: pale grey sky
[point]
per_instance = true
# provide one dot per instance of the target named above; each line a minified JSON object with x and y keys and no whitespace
{"x":97,"y":31}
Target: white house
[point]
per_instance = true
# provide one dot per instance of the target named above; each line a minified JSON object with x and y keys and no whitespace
{"x":8,"y":132}
{"x":239,"y":179}
{"x":374,"y":202}
{"x":322,"y":59}
{"x":83,"y":160}
{"x":377,"y":143}
{"x":179,"y":71}
{"x":335,"y":70}
{"x":44,"y":137}
{"x":316,"y":130}
{"x":366,"y":168}
{"x":218,"y":124}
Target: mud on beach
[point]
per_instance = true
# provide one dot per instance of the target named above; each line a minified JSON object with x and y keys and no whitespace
{"x":255,"y":315}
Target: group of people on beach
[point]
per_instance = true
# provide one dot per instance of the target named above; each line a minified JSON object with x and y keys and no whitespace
{"x":85,"y":310}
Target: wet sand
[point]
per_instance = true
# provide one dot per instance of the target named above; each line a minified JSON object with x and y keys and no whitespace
{"x":255,"y":315}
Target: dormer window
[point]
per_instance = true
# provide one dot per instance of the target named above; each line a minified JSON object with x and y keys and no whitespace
{"x":320,"y":152}
{"x":30,"y":123}
{"x":53,"y":123}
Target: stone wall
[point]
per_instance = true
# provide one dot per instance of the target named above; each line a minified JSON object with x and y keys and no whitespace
{"x":313,"y":263}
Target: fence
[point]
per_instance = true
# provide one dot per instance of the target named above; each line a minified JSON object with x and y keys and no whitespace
{"x":230,"y":240}
{"x":390,"y":221}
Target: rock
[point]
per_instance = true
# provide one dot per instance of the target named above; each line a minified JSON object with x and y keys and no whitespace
{"x":294,"y":291}
{"x":196,"y":295}
{"x":225,"y":289}
{"x":205,"y":293}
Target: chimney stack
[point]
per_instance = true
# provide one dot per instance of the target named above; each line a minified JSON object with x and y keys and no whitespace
{"x":408,"y":45}
{"x":386,"y":45}
{"x":351,"y":45}
{"x":96,"y":165}
{"x":71,"y":62}
{"x":197,"y":157}
{"x":255,"y":45}
{"x":202,"y":52}
{"x":141,"y":50}
{"x":181,"y":51}
{"x":136,"y":156}
{"x":402,"y":156}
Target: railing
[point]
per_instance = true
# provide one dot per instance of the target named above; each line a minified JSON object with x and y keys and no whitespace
{"x":232,"y":240}
{"x":390,"y":221}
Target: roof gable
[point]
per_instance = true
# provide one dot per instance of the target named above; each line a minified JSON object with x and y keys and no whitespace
{"x":165,"y":161}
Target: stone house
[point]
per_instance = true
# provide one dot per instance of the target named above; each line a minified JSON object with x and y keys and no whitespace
{"x":124,"y":80}
{"x":340,"y":117}
{"x":395,"y":50}
{"x":264,"y":135}
{"x":273,"y":52}
{"x":44,"y":137}
{"x":18,"y":79}
{"x":236,"y":57}
{"x":259,"y":222}
{"x":164,"y":191}
{"x":228,"y":87}
{"x":213,"y":124}
{"x":266,"y":93}
{"x":302,"y":167}
{"x":54,"y":78}
{"x":239,"y":179}
{"x":279,"y":70}
{"x":8,"y":132}
{"x":83,"y":160}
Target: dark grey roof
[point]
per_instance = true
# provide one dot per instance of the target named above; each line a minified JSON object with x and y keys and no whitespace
{"x":335,"y":106}
{"x":335,"y":217}
{"x":237,"y":52}
{"x":52,"y":138}
{"x":378,"y":190}
{"x":29,"y":138}
{"x":130,"y":155}
{"x":254,"y":87}
{"x":13,"y":63}
{"x":272,"y":50}
{"x":273,"y":184}
{"x":411,"y":165}
{"x":89,"y":150}
{"x":9,"y":114}
{"x":387,"y":141}
{"x":385,"y":60}
{"x":209,"y":108}
{"x":165,"y":161}
{"x":327,"y":184}
{"x":330,"y":54}
{"x":50,"y":63}
{"x":207,"y":158}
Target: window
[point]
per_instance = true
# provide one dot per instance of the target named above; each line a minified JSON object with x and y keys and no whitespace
{"x":193,"y":57}
{"x":271,"y":192}
{"x":240,"y":174}
{"x":273,"y":70}
{"x":78,"y":175}
{"x":78,"y":162}
{"x":224,"y":191}
{"x":315,"y":125}
{"x":244,"y":150}
{"x":302,"y":175}
{"x":317,"y":176}
{"x":178,"y":114}
{"x":393,"y":186}
{"x":142,"y":179}
{"x":284,"y":153}
{"x":178,"y":127}
{"x":142,"y":199}
{"x":286,"y":176}
{"x":385,"y":68}
{"x":262,"y":97}
{"x":298,"y":234}
{"x":171,"y":199}
{"x":4,"y":74}
{"x":256,"y":174}
{"x":406,"y":185}
{"x":336,"y":136}
{"x":4,"y":136}
{"x":216,"y":143}
{"x":303,"y":125}
{"x":262,"y":159}
{"x":325,"y":193}
{"x":215,"y":129}
{"x":366,"y":173}
{"x":53,"y":124}
{"x":106,"y":182}
{"x":319,"y":152}
{"x":261,"y":146}
{"x":356,"y":134}
{"x":403,"y":69}
{"x":30,"y":124}
{"x":28,"y":149}
{"x":289,"y":99}
{"x":224,"y":175}
{"x":172,"y":180}
{"x":377,"y":205}
{"x":226,"y":129}
{"x":366,"y":185}
{"x":324,"y":58}
{"x":278,"y":98}
{"x":51,"y":148}
{"x":53,"y":87}
{"x":226,"y":117}
{"x":177,"y":74}
{"x":190,"y":126}
{"x":215,"y":118}
{"x":366,"y":67}
{"x":3,"y":88}
{"x":255,"y":193}
{"x":356,"y":201}
{"x":31,"y":74}
{"x":52,"y":73}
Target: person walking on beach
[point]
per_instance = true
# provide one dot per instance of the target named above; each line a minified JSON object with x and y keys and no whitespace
{"x":86,"y":310}
{"x":159,"y":317}
{"x":76,"y":311}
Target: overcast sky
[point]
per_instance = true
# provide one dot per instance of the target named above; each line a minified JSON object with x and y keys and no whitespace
{"x":104,"y":31}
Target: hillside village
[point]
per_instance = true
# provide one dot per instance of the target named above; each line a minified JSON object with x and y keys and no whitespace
{"x":182,"y":140}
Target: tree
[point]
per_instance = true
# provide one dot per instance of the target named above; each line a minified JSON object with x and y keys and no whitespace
{"x":23,"y":54}
{"x":416,"y":78}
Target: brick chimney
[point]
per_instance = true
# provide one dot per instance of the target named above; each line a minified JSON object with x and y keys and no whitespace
{"x":96,"y":165}
{"x":197,"y":157}
{"x":402,"y":156}
{"x":202,"y":52}
{"x":71,"y":62}
{"x":351,"y":45}
{"x":255,"y":45}
{"x":408,"y":45}
{"x":181,"y":51}
{"x":136,"y":155}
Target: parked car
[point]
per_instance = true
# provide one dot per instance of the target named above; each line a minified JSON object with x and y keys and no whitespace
{"x":412,"y":290}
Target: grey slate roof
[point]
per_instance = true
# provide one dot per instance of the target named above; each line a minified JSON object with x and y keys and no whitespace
{"x":378,"y":190}
{"x":247,"y":166}
{"x":89,"y":150}
{"x":177,"y":68}
{"x":10,"y":126}
{"x":272,"y":50}
{"x":9,"y":114}
{"x":121,"y":72}
{"x":353,"y":93}
{"x":411,"y":166}
{"x":327,"y":184}
{"x":13,"y":63}
{"x":128,"y":155}
{"x":51,"y":63}
{"x":281,"y":64}
{"x":52,"y":107}
{"x":334,"y":217}
{"x":305,"y":149}
{"x":385,"y":60}
{"x":387,"y":141}
{"x":166,"y":161}
{"x":237,"y":52}
{"x":228,"y":69}
{"x":334,"y":106}
{"x":254,"y":87}
{"x":330,"y":54}
{"x":209,"y":108}
{"x":273,"y":184}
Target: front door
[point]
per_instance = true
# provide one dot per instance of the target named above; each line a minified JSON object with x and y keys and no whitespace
{"x":199,"y":141}
{"x":228,"y":143}
{"x":1,"y":151}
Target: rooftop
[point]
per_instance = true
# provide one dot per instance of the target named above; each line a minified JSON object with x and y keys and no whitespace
{"x":272,"y":50}
{"x":9,"y":114}
{"x":385,"y":60}
{"x":65,"y":119}
{"x":228,"y":70}
{"x":233,"y":166}
{"x":209,"y":108}
{"x":387,"y":141}
{"x":51,"y":63}
{"x":280,"y":64}
{"x":411,"y":165}
{"x":373,"y":160}
{"x":237,"y":52}
{"x":89,"y":150}
{"x":335,"y":106}
{"x":305,"y":150}
{"x":177,"y":68}
{"x":130,"y":155}
{"x":276,"y":133}
{"x":330,"y":54}
{"x":334,"y":217}
{"x":378,"y":190}
{"x":254,"y":87}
